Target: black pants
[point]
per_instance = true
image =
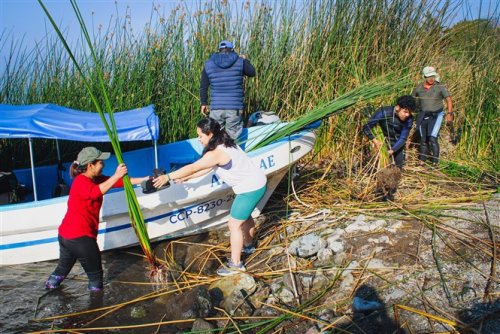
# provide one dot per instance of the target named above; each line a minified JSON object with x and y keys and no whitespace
{"x":85,"y":250}
{"x":399,"y":155}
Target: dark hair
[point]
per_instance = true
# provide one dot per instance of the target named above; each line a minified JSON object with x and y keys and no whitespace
{"x":75,"y":169}
{"x":211,"y":126}
{"x":407,"y":102}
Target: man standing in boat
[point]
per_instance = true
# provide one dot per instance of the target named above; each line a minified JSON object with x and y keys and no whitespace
{"x":396,"y":122}
{"x":430,"y":95}
{"x":224,"y":72}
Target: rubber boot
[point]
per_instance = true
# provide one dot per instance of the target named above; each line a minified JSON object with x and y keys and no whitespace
{"x":95,"y":281}
{"x":423,"y":151}
{"x":54,"y":281}
{"x":435,"y":149}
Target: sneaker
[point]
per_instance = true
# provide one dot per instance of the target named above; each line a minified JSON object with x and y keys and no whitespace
{"x":54,"y":281}
{"x":248,"y":249}
{"x":231,"y":269}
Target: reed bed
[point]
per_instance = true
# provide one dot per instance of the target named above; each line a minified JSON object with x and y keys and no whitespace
{"x":306,"y":53}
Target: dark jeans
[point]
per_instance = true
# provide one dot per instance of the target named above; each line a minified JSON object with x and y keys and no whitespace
{"x":85,"y":250}
{"x":429,"y":134}
{"x":399,"y":155}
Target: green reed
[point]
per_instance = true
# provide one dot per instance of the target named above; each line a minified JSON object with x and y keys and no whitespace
{"x":306,"y":53}
{"x":98,"y":94}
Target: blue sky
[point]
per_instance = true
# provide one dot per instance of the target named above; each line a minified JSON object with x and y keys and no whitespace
{"x":24,"y":19}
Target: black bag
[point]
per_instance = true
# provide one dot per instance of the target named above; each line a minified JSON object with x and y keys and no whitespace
{"x":148,"y":187}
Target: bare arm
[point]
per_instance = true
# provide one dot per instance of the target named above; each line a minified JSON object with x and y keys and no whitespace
{"x":195,"y":175}
{"x":449,"y":114}
{"x":208,"y":161}
{"x":138,"y":180}
{"x":121,"y":171}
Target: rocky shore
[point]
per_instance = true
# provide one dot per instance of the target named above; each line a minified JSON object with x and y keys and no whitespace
{"x":330,"y":272}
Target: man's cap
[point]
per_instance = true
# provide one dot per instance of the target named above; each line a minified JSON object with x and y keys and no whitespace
{"x":226,"y":45}
{"x":90,"y":154}
{"x":429,"y":71}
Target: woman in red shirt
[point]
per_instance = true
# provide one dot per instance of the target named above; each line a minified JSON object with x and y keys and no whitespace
{"x":78,"y":230}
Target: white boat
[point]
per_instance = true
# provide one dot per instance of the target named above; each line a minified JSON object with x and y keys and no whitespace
{"x":29,"y":230}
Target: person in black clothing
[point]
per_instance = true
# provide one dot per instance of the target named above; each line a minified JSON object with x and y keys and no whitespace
{"x":396,"y":122}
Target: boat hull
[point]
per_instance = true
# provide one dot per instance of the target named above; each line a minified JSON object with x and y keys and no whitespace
{"x":29,"y":230}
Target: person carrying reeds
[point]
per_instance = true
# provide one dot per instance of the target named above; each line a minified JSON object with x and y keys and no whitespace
{"x":223,"y":73}
{"x":395,"y":122}
{"x":235,"y":168}
{"x":430,"y":95}
{"x":78,"y":230}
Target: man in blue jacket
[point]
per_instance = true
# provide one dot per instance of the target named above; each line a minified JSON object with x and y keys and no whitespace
{"x":396,"y":122}
{"x":224,"y":72}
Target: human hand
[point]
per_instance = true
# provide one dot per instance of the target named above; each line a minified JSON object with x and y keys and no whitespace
{"x":243,"y":56}
{"x":376,"y":144}
{"x":121,"y":170}
{"x":391,"y":152}
{"x":449,"y":118}
{"x":204,"y":110}
{"x":160,"y":181}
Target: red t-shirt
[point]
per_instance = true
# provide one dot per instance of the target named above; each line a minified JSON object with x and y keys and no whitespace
{"x":84,"y":204}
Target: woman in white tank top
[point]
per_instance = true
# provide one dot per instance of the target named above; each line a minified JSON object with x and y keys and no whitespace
{"x":235,"y":168}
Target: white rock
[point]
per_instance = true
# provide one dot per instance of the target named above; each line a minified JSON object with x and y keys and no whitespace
{"x":336,"y":246}
{"x":325,"y":255}
{"x":376,"y":264}
{"x":383,"y":239}
{"x":307,"y":245}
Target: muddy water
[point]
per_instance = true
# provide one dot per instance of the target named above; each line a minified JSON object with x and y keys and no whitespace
{"x":24,"y":299}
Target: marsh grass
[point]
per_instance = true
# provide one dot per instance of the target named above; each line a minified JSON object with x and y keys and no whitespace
{"x":306,"y":53}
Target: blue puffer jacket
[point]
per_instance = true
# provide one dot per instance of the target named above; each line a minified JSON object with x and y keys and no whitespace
{"x":225,"y":72}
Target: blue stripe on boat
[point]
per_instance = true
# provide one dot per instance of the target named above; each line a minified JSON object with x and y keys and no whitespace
{"x":101,"y":231}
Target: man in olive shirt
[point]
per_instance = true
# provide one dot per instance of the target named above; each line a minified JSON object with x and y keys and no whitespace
{"x":430,"y":95}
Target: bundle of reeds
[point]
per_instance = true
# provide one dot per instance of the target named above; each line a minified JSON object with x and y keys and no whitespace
{"x":384,"y":85}
{"x":105,"y":110}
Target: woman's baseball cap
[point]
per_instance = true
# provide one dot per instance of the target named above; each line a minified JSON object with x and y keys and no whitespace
{"x":90,"y":154}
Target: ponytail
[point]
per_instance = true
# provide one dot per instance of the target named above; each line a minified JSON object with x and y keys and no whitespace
{"x":75,"y":169}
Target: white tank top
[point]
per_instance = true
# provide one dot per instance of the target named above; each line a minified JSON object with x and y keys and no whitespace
{"x":240,"y":172}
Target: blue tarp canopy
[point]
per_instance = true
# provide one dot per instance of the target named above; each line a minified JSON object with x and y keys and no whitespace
{"x":55,"y":122}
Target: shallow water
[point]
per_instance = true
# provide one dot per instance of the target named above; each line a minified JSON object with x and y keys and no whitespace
{"x":24,"y":298}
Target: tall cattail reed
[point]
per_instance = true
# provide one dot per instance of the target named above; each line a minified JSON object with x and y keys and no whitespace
{"x":96,"y":89}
